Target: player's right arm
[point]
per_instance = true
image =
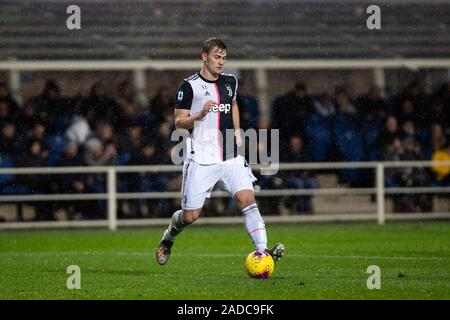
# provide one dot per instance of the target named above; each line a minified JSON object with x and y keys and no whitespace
{"x":185,"y":121}
{"x":183,"y":117}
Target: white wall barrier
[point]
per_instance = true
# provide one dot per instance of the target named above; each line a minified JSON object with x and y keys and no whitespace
{"x":112,"y":195}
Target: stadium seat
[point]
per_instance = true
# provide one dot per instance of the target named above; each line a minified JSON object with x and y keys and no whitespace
{"x":5,"y":162}
{"x":426,"y":143}
{"x":350,"y":145}
{"x":7,"y":181}
{"x":62,"y":123}
{"x":15,"y":190}
{"x":122,"y":159}
{"x":56,"y":143}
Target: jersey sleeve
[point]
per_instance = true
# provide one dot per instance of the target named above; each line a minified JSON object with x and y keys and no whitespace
{"x":184,"y":96}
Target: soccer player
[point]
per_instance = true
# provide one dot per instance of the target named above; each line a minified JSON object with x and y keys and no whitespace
{"x":206,"y":106}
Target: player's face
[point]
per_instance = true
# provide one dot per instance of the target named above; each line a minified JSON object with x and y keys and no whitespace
{"x":215,"y":60}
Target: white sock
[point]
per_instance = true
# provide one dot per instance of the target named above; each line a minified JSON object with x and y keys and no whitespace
{"x":175,"y":227}
{"x":255,"y":226}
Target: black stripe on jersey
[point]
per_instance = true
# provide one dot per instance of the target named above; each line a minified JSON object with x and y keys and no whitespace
{"x":226,"y":119}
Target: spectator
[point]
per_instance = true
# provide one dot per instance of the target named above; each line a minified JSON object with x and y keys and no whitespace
{"x":140,"y":151}
{"x":409,"y":150}
{"x":299,"y":179}
{"x":71,"y":158}
{"x":414,"y":118}
{"x":387,"y":136}
{"x":343,"y":102}
{"x":324,"y":106}
{"x":73,"y":183}
{"x":438,"y":138}
{"x":105,"y":132}
{"x":37,"y":134}
{"x":289,"y":112}
{"x":438,"y":114}
{"x":128,"y":115}
{"x":443,"y":93}
{"x":162,"y":105}
{"x":132,"y":143}
{"x":164,"y":143}
{"x":79,"y":131}
{"x":408,"y":130}
{"x":407,"y":112}
{"x":414,"y":177}
{"x":35,"y":155}
{"x":99,"y":105}
{"x":442,"y":97}
{"x":5,"y":113}
{"x":164,"y":147}
{"x":27,"y":119}
{"x":5,"y":96}
{"x":392,"y":152}
{"x":442,"y":173}
{"x":414,"y":93}
{"x":126,"y":93}
{"x":96,"y":154}
{"x":9,"y":141}
{"x":371,"y":106}
{"x":248,"y":109}
{"x":49,"y":105}
{"x":149,"y":181}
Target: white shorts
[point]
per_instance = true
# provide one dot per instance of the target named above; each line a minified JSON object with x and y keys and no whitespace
{"x":199,"y":180}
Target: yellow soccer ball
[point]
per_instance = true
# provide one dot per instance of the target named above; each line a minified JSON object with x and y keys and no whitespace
{"x":259,"y":265}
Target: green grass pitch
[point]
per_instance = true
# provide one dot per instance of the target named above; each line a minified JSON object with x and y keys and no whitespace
{"x":323,"y":261}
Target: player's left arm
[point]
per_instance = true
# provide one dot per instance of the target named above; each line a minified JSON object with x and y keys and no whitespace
{"x":236,"y":122}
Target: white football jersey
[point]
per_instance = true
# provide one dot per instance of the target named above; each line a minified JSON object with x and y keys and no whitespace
{"x":207,"y":143}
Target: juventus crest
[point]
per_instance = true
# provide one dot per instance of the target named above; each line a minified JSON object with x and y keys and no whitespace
{"x":230,"y":92}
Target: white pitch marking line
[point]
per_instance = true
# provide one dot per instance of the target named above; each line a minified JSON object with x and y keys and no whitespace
{"x":216,"y":255}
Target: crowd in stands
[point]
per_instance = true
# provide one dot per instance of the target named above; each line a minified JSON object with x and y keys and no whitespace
{"x":410,"y":125}
{"x":98,"y":129}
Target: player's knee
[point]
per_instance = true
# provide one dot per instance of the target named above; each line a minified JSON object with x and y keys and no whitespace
{"x":245,"y":199}
{"x":189,"y":216}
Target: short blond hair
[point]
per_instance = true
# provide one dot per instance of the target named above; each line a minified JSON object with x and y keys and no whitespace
{"x":211,"y":43}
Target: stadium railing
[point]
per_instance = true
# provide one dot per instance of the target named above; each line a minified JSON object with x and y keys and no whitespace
{"x":111,"y":195}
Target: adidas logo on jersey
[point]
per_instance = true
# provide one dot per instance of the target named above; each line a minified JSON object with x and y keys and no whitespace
{"x":207,"y":94}
{"x":223,"y":107}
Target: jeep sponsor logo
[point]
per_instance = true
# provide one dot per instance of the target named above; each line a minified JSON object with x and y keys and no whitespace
{"x":223,"y":107}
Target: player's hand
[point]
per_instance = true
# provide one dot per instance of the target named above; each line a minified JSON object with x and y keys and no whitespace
{"x":237,"y":135}
{"x":206,"y":107}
